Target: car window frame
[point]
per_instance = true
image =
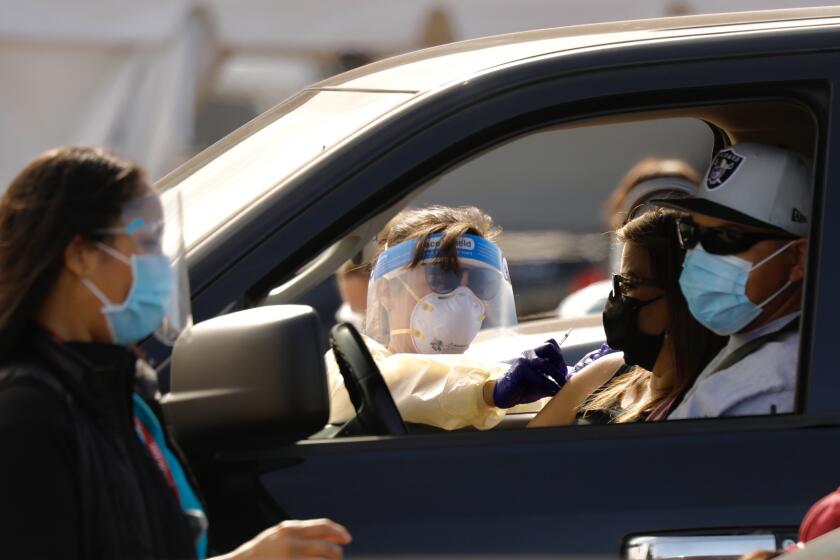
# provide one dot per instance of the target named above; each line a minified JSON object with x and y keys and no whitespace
{"x":800,"y":418}
{"x":802,"y":381}
{"x":820,"y":144}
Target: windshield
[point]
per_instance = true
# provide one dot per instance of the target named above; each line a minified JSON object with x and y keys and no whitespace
{"x":300,"y":130}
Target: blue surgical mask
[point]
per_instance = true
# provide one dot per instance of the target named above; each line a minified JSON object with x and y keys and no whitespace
{"x":148,"y":299}
{"x":715,"y":287}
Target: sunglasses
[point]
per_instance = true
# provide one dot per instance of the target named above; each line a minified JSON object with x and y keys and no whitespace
{"x":483,"y":282}
{"x":623,"y":285}
{"x":721,"y":241}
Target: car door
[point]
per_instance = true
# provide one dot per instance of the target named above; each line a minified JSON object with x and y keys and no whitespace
{"x":579,"y":490}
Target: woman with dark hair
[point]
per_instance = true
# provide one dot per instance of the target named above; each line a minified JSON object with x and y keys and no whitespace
{"x":647,"y":318}
{"x":88,"y":469}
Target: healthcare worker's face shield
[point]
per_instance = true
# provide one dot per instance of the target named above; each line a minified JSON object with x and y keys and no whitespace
{"x":434,"y":308}
{"x":155,"y":225}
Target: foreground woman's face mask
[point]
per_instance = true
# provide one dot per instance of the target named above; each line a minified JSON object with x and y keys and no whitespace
{"x":148,"y":299}
{"x":136,"y":281}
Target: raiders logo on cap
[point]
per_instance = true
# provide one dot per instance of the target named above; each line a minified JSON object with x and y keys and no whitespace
{"x":726,"y":162}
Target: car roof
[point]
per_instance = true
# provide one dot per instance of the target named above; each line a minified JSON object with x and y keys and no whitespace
{"x":432,"y":68}
{"x":394,"y":86}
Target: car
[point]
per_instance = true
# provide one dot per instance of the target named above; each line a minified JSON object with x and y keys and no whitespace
{"x":585,"y":301}
{"x":278,"y":205}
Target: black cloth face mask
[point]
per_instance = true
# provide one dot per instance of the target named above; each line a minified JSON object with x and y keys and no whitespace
{"x":621,"y":325}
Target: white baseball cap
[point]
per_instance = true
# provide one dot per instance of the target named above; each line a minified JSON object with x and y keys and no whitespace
{"x":757,"y":185}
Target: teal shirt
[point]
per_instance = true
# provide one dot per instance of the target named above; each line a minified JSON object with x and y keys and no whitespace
{"x":186,"y":494}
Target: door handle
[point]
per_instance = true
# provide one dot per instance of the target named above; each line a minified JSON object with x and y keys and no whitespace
{"x":703,"y":546}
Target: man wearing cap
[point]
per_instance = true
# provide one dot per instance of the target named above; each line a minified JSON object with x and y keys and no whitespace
{"x":742,"y":277}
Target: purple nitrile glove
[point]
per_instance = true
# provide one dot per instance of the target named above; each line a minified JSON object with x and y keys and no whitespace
{"x":592,"y":356}
{"x":539,"y":373}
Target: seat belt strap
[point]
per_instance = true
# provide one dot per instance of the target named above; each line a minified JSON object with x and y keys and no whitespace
{"x":743,"y":351}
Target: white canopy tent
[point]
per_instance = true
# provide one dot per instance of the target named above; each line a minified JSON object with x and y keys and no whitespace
{"x":386,"y":26}
{"x":114,"y":74}
{"x":128,"y":75}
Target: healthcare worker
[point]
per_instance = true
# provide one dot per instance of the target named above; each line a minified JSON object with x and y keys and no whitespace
{"x":439,"y":280}
{"x":352,"y":280}
{"x":89,"y":469}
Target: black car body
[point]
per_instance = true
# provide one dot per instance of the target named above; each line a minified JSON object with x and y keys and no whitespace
{"x":579,"y":491}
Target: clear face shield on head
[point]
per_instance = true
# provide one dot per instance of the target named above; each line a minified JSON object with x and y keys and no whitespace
{"x":159,"y":298}
{"x":432,"y":309}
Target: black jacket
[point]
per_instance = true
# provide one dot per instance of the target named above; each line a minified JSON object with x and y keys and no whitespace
{"x":75,"y":480}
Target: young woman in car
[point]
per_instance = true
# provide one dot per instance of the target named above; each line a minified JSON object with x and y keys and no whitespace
{"x":438,"y":280}
{"x":89,"y":470}
{"x":647,"y":318}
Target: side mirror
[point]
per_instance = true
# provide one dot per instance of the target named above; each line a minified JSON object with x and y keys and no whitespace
{"x":251,"y":374}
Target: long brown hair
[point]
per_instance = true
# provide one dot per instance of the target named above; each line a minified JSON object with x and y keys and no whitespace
{"x":693,"y":344}
{"x":61,"y":194}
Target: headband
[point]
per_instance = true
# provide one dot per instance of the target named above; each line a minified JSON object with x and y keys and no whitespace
{"x":467,"y":248}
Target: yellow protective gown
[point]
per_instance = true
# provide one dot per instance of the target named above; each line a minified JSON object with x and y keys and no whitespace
{"x":443,"y":390}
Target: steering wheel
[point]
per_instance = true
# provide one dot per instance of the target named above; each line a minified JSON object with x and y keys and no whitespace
{"x":376,"y":412}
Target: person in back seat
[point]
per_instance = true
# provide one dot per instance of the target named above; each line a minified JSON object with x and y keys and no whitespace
{"x":742,"y":277}
{"x":352,"y":280}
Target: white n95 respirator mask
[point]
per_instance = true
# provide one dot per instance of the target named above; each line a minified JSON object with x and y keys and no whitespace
{"x":445,"y":323}
{"x":416,"y":295}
